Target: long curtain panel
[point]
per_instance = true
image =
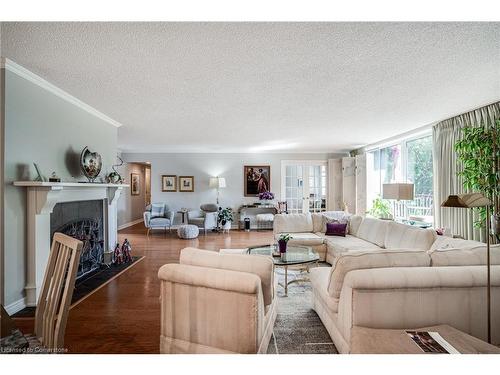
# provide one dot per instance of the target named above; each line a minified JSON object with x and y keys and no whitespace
{"x":446,"y":166}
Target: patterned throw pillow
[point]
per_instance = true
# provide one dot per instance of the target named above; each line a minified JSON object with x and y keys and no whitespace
{"x":157,"y":210}
{"x":328,"y":220}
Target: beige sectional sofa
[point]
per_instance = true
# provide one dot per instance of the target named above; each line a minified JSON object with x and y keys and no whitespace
{"x":363,"y":234}
{"x":390,"y":275}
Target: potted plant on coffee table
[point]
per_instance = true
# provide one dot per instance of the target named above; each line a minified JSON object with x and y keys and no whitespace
{"x":283,"y":241}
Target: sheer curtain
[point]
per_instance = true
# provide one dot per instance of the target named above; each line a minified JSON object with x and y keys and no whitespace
{"x":446,"y":181}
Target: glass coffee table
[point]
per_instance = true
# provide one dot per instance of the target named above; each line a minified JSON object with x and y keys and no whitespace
{"x":294,"y":256}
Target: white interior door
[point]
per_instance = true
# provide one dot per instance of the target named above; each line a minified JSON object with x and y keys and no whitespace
{"x":304,"y":185}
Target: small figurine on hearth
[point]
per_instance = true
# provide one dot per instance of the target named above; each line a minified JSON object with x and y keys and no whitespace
{"x":117,"y":255}
{"x":126,"y":249}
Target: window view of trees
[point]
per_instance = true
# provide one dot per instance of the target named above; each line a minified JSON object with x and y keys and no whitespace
{"x":405,"y":161}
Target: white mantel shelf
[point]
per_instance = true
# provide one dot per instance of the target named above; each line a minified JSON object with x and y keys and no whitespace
{"x":66,"y":184}
{"x":41,"y":198}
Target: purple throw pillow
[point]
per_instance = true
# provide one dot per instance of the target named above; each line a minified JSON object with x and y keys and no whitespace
{"x":336,"y":229}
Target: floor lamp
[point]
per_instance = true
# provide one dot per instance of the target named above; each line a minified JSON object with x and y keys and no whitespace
{"x":471,"y":201}
{"x":217,"y":183}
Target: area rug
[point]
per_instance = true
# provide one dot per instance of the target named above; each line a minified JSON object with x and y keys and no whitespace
{"x":298,"y":329}
{"x":88,"y":284}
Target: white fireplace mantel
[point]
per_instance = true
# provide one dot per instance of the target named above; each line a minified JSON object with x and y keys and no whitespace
{"x":42,"y":197}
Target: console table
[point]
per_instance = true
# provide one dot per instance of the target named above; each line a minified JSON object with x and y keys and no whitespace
{"x":251,"y":211}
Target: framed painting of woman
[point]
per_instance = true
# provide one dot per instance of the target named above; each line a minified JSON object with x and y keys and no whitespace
{"x":257,"y":179}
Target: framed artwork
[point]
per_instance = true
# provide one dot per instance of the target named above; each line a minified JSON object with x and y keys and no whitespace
{"x":186,"y":183}
{"x":257,"y":179}
{"x":169,"y":183}
{"x":135,"y":184}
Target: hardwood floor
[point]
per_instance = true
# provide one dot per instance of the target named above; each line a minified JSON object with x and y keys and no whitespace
{"x":124,"y":315}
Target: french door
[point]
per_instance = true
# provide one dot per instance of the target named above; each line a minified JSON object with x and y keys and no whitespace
{"x":304,"y":185}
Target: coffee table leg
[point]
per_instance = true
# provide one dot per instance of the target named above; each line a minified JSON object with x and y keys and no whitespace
{"x":286,"y":281}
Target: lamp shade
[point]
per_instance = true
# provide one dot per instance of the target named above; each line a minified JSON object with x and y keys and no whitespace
{"x":217,"y":182}
{"x":398,"y":191}
{"x":466,"y":201}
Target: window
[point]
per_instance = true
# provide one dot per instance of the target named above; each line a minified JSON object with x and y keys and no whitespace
{"x":409,"y":160}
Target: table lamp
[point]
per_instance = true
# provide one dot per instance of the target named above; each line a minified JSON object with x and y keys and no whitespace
{"x":217,"y":183}
{"x":470,"y":201}
{"x":397,"y":191}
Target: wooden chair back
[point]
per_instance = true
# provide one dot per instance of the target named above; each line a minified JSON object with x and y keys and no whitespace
{"x":57,"y":290}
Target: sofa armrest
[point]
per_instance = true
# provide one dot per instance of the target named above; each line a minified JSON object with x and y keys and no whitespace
{"x":170,"y":216}
{"x":228,"y":280}
{"x":411,"y":297}
{"x":210,"y":308}
{"x":147,"y":218}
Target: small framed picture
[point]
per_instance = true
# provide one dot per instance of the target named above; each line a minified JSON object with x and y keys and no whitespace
{"x":169,"y":183}
{"x":135,"y":184}
{"x":186,"y":183}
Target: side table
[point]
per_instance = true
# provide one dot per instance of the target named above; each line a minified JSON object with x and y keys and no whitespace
{"x":396,"y":341}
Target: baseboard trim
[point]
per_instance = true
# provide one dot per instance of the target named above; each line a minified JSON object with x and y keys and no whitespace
{"x":129,"y":224}
{"x":16,"y":306}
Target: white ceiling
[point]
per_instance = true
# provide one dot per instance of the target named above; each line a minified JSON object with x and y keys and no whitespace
{"x":253,"y":87}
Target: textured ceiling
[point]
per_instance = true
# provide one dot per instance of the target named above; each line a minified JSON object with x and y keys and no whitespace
{"x":251,"y":87}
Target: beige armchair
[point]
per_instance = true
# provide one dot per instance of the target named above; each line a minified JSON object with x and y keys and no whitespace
{"x":217,"y":303}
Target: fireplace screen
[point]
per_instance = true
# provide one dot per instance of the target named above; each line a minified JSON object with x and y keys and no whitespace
{"x":83,"y":221}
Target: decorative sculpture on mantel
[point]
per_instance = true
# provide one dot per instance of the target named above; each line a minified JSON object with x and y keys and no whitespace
{"x":90,"y":163}
{"x":115,"y":177}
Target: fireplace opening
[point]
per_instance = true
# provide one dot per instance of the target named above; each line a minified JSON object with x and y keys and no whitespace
{"x":84,"y":221}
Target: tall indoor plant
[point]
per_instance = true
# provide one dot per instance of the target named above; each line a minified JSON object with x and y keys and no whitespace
{"x":479,"y":152}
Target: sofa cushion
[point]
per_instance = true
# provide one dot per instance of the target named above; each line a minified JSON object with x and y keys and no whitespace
{"x":293,"y":223}
{"x":354,"y":222}
{"x":475,"y":256}
{"x":159,"y":222}
{"x":261,"y":266}
{"x":399,"y":236}
{"x":320,"y":277}
{"x":373,"y":230}
{"x":306,"y":239}
{"x":365,"y":260}
{"x":445,"y":242}
{"x":157,"y":210}
{"x":338,"y":245}
{"x":319,"y":223}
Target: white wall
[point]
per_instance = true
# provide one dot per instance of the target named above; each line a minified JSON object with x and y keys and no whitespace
{"x":204,"y":166}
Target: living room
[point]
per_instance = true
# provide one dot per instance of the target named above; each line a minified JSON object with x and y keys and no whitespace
{"x":267,"y":188}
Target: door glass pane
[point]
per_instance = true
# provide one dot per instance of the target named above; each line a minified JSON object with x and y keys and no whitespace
{"x":297,"y":184}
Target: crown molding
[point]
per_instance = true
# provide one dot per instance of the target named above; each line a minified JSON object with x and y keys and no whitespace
{"x":39,"y":81}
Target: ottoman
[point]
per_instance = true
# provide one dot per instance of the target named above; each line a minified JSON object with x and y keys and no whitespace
{"x":188,"y":231}
{"x":264,"y":221}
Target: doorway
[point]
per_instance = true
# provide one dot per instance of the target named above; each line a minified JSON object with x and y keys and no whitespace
{"x":304,"y":185}
{"x":147,"y":185}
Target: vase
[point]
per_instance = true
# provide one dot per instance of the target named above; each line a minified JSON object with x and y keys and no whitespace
{"x":282,"y":246}
{"x":226,"y":226}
